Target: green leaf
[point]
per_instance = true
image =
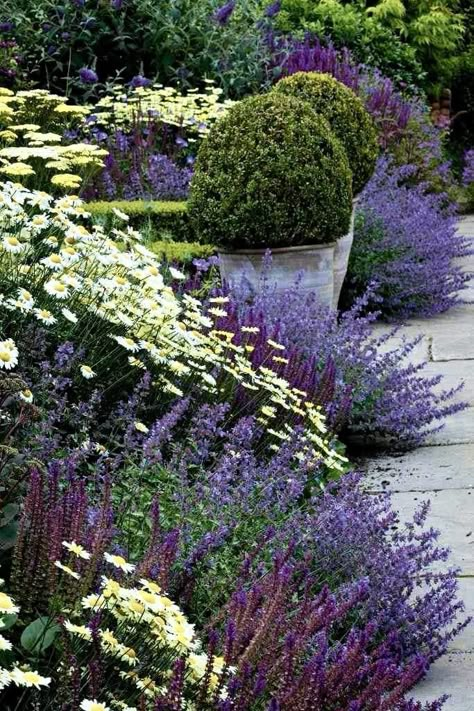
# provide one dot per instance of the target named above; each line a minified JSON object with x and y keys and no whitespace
{"x":39,"y":635}
{"x":8,"y":512}
{"x":7,"y":621}
{"x":8,"y":535}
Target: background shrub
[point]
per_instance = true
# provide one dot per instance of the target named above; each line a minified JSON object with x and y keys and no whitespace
{"x":181,"y":42}
{"x":270,"y":174}
{"x":409,"y":42}
{"x":346,"y":115}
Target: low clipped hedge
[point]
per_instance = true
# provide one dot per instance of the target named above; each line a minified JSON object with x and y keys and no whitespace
{"x":164,"y":225}
{"x":346,"y":115}
{"x":181,"y":252}
{"x":157,"y":220}
{"x":270,"y":174}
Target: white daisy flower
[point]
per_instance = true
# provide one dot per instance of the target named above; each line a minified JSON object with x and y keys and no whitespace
{"x":119,"y":562}
{"x":127,"y":343}
{"x":53,"y":261}
{"x":77,"y":549}
{"x":12,"y":244}
{"x":26,"y":299}
{"x":80,"y":630}
{"x":7,"y":605}
{"x":87,"y":372}
{"x":5,"y":644}
{"x":26,"y":395}
{"x":121,"y":215}
{"x":8,"y":354}
{"x":67,"y":569}
{"x":45,"y":316}
{"x":93,"y":705}
{"x":29,"y":678}
{"x":176,"y":274}
{"x":69,"y":315}
{"x":56,"y":288}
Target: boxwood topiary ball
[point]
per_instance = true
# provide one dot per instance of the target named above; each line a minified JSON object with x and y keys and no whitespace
{"x":270,"y":174}
{"x":345,"y":114}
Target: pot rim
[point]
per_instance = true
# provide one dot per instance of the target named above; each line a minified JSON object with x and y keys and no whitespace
{"x":279,"y":250}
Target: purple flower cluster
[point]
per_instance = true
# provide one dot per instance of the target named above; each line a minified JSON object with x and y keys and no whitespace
{"x":285,"y":640}
{"x":410,"y":235}
{"x":390,"y":110}
{"x":366,"y":389}
{"x":142,"y":164}
{"x":88,"y":76}
{"x":223,"y":13}
{"x":468,"y":170}
{"x":227,"y":500}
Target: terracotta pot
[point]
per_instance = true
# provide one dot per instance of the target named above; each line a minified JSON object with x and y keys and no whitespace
{"x":312,"y":264}
{"x":342,"y":253}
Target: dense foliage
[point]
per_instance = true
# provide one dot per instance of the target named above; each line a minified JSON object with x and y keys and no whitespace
{"x":406,"y":242}
{"x":408,"y":41}
{"x":346,"y":115}
{"x":179,"y":524}
{"x":271,"y":174}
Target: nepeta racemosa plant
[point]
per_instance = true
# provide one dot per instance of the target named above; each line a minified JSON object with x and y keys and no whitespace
{"x":406,"y":242}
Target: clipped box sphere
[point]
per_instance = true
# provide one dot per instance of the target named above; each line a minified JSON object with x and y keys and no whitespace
{"x":346,"y":115}
{"x":270,"y":174}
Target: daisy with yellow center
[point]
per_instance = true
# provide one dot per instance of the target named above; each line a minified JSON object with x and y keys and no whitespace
{"x":8,"y":354}
{"x":87,"y":372}
{"x":119,"y":562}
{"x":108,"y":638}
{"x":12,"y":244}
{"x":26,"y":395}
{"x":77,"y":549}
{"x":29,"y":678}
{"x":80,"y":630}
{"x":66,"y":569}
{"x":93,"y":705}
{"x":45,"y":316}
{"x":127,"y":343}
{"x":54,"y":261}
{"x":56,"y":288}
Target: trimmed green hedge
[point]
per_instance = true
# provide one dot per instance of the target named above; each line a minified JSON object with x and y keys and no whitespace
{"x":346,"y":115}
{"x":182,"y":252}
{"x":159,"y":221}
{"x":270,"y":174}
{"x":165,"y":227}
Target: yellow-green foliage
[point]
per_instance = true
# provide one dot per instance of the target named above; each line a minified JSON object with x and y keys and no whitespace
{"x":197,"y":111}
{"x":182,"y":252}
{"x":158,"y":221}
{"x":32,"y":124}
{"x":346,"y":115}
{"x":271,"y":173}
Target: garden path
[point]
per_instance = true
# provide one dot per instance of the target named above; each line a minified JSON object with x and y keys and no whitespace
{"x":443,"y":471}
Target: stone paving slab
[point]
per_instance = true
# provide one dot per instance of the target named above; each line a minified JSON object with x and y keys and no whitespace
{"x":464,"y":642}
{"x":452,"y":514}
{"x":451,"y":674}
{"x":458,"y":429}
{"x":453,"y":373}
{"x":424,"y":469}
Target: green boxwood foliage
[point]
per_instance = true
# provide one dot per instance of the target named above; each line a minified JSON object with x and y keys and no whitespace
{"x":159,"y":221}
{"x":270,"y":174}
{"x":182,"y":252}
{"x":345,"y":114}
